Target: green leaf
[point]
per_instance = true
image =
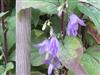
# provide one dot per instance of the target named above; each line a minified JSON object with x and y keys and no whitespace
{"x":72,"y":4}
{"x":46,"y":6}
{"x":89,"y":39}
{"x":12,"y":56}
{"x":35,"y":16}
{"x":56,"y":22}
{"x":1,"y":34}
{"x":2,"y":69}
{"x":71,"y":48}
{"x":95,"y":3}
{"x":94,"y":52}
{"x":9,"y":66}
{"x":70,"y":73}
{"x":37,"y":36}
{"x":11,"y":31}
{"x":70,"y":54}
{"x":91,"y":65}
{"x":36,"y":58}
{"x":92,"y":13}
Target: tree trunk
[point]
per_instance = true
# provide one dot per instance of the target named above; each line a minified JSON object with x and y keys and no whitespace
{"x":23,"y":42}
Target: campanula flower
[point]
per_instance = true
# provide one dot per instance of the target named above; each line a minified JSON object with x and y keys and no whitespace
{"x":54,"y":46}
{"x":50,"y":47}
{"x":74,"y":22}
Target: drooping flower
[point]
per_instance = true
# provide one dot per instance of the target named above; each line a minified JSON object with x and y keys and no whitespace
{"x":54,"y":46}
{"x":53,"y":63}
{"x":51,"y":48}
{"x":73,"y":23}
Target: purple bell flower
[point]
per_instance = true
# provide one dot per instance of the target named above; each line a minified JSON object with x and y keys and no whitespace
{"x":54,"y":46}
{"x":73,"y":23}
{"x":51,"y":47}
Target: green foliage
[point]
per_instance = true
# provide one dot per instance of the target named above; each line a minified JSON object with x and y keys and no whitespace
{"x":9,"y":66}
{"x":91,"y":65}
{"x":94,"y":3}
{"x":55,"y":20}
{"x":37,"y":36}
{"x":46,"y":6}
{"x":89,"y":39}
{"x":94,"y":51}
{"x":72,"y":4}
{"x":71,"y":49}
{"x":4,"y":70}
{"x":92,"y":13}
{"x":70,"y":53}
{"x":11,"y":22}
{"x":36,"y":58}
{"x":35,"y":16}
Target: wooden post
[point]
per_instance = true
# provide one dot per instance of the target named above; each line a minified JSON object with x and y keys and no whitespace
{"x":23,"y":42}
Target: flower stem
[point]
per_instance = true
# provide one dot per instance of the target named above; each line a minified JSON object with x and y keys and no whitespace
{"x":62,"y":18}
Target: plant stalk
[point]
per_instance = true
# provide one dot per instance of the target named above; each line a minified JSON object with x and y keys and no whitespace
{"x":62,"y":18}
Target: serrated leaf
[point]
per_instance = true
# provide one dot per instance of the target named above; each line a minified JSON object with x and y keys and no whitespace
{"x":92,"y":13}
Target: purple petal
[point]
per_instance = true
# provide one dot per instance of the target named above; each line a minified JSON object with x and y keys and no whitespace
{"x":54,"y":46}
{"x":50,"y":68}
{"x":74,"y":32}
{"x":72,"y":26}
{"x":81,"y":22}
{"x":58,"y":64}
{"x":73,"y":19}
{"x":48,"y":61}
{"x":43,"y":46}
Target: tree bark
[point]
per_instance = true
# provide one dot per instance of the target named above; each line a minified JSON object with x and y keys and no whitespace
{"x":23,"y":42}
